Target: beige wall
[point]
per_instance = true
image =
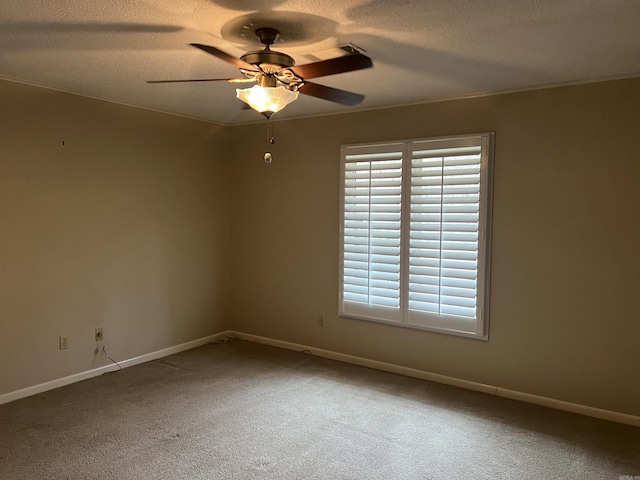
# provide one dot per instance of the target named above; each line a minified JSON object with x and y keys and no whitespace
{"x":566,"y":241}
{"x":163,"y":230}
{"x":125,"y":227}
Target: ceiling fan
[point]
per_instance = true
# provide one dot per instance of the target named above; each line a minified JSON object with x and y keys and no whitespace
{"x":279,"y":80}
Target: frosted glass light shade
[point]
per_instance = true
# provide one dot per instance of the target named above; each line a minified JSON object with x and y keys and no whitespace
{"x":266,"y":100}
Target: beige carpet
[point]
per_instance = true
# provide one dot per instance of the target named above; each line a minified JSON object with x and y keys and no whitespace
{"x":241,"y":410}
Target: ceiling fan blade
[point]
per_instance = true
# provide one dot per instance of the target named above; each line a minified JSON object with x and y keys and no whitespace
{"x":236,"y":62}
{"x":348,"y":63}
{"x":332,"y":94}
{"x":230,"y":80}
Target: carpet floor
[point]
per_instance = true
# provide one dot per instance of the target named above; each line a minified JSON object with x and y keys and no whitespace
{"x":241,"y":410}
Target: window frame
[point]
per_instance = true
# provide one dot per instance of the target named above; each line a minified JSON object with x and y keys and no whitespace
{"x":478,"y":327}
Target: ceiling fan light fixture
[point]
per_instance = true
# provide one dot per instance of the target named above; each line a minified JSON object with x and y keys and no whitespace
{"x":266,"y":100}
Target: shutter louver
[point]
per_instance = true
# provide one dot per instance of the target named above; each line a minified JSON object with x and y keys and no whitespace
{"x":371,"y":233}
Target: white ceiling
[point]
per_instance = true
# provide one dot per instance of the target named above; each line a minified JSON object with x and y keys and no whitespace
{"x":422,"y":50}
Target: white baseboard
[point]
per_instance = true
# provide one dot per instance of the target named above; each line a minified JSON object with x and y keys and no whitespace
{"x":78,"y":377}
{"x":386,"y":367}
{"x":456,"y":382}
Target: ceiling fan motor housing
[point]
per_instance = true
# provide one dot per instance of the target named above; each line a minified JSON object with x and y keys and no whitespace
{"x":269,"y":57}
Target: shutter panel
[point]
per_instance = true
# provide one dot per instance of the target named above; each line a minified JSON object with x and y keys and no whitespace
{"x":444,"y":231}
{"x":371,"y":232}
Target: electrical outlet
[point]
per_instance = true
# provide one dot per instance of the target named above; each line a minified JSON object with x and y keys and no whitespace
{"x":64,"y":343}
{"x":321,"y":321}
{"x":99,"y":334}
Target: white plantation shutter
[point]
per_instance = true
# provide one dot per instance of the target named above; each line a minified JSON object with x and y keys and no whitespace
{"x":444,"y":234}
{"x":372,"y":191}
{"x":414,"y":247}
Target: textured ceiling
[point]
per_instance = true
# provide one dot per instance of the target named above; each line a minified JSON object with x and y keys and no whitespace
{"x":422,"y":50}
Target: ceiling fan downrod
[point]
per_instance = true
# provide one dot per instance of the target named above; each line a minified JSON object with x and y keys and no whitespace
{"x":267,"y":56}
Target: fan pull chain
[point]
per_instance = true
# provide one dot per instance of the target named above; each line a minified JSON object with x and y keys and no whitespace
{"x":270,"y":138}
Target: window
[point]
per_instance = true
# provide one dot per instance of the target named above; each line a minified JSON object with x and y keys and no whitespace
{"x":415,"y":233}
